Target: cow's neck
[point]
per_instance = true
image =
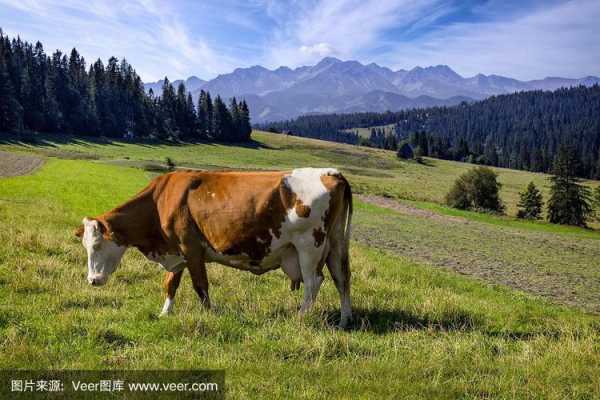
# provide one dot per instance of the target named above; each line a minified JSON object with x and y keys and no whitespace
{"x":136,"y":224}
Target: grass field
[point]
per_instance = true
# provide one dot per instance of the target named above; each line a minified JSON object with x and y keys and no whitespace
{"x":420,"y":331}
{"x":372,"y":171}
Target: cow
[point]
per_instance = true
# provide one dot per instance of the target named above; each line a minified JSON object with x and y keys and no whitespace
{"x":298,"y":220}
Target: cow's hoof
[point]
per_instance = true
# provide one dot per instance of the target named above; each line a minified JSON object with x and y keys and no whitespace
{"x":344,"y":322}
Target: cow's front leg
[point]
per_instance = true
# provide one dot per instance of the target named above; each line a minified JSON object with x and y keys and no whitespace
{"x":172,"y":280}
{"x":199,"y":276}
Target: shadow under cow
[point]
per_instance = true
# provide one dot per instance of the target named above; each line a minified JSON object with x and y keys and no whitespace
{"x":395,"y":320}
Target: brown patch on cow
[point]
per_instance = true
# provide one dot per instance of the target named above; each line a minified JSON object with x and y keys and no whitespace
{"x":171,"y":283}
{"x":240,"y":213}
{"x":302,"y":210}
{"x":335,"y":186}
{"x":319,"y":236}
{"x":137,"y":222}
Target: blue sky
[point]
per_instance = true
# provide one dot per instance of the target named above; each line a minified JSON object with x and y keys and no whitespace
{"x":523,"y":39}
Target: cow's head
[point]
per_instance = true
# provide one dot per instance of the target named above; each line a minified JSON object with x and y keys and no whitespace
{"x":104,"y":254}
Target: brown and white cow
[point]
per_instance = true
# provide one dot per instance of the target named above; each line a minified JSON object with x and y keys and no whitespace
{"x":253,"y":221}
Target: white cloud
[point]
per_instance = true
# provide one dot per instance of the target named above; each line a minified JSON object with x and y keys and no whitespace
{"x":318,"y":49}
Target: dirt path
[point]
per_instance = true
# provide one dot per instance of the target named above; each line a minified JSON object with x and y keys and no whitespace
{"x":409,"y":210}
{"x":14,"y":164}
{"x":561,"y":268}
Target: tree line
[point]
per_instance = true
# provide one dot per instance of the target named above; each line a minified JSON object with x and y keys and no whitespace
{"x":60,"y":94}
{"x":521,"y":130}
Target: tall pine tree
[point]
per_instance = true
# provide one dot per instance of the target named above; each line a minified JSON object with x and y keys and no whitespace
{"x":530,"y":203}
{"x":569,"y":201}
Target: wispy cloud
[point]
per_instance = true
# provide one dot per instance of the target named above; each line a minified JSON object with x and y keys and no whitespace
{"x":561,"y":40}
{"x":343,"y":27}
{"x":148,"y":33}
{"x":524,"y":39}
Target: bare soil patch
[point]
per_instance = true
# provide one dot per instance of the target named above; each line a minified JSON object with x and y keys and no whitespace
{"x":561,"y":268}
{"x":14,"y":164}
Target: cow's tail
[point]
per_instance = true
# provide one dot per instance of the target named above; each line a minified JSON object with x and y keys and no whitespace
{"x":344,"y":284}
{"x":349,"y":210}
{"x":347,"y":225}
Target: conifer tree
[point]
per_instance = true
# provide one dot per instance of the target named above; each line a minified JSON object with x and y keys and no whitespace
{"x":10,"y":109}
{"x":530,"y":203}
{"x":245,"y":126}
{"x":405,"y":152}
{"x":207,"y":105}
{"x":221,"y":121}
{"x":569,"y":201}
{"x":181,"y":110}
{"x":235,"y":119}
{"x":190,"y":116}
{"x":202,"y":120}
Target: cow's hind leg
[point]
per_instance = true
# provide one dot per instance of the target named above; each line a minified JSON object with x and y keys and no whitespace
{"x":338,"y":263}
{"x":193,"y":251}
{"x":200,"y":281}
{"x":172,"y":280}
{"x":309,"y":266}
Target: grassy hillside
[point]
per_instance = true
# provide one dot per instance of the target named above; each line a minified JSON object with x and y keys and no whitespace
{"x":419,"y":332}
{"x":370,"y":170}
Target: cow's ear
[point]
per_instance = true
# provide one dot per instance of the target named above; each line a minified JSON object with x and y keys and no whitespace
{"x":104,"y":230}
{"x":79,"y":231}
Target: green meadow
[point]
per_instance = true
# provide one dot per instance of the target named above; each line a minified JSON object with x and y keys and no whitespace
{"x":447,"y":304}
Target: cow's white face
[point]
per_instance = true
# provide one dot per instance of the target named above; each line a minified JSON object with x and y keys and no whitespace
{"x":104,"y":255}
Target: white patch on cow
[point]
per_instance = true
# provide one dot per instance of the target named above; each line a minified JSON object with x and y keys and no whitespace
{"x":167,"y":307}
{"x":103,"y":255}
{"x":306,"y":184}
{"x":170,"y":262}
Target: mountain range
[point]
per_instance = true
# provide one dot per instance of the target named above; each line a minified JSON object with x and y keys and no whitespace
{"x":336,"y":86}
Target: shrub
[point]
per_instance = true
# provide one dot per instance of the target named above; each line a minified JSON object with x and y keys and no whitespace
{"x":477,"y":189}
{"x":530,"y":203}
{"x":596,"y":203}
{"x":405,"y":152}
{"x":170,"y":163}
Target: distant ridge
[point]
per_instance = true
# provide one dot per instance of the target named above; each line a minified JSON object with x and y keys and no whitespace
{"x":192,"y":84}
{"x":333,"y":85}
